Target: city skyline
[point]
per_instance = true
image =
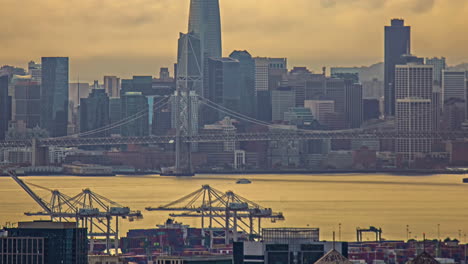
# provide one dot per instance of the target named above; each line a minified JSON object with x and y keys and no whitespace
{"x":117,"y":40}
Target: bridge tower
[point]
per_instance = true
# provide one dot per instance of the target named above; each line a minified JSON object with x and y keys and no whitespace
{"x":189,"y":83}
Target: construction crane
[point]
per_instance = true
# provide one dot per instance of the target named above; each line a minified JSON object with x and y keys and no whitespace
{"x":90,"y":210}
{"x":372,"y":229}
{"x":228,"y":211}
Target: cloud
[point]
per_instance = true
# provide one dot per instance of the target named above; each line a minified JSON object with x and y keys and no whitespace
{"x":138,"y":36}
{"x":422,"y":6}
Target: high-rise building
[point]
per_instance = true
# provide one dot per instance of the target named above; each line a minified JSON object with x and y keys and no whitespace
{"x":115,"y":114}
{"x":134,"y":105}
{"x":112,"y":86}
{"x":224,"y":86}
{"x":282,"y":99}
{"x":347,"y":73}
{"x":35,"y":70}
{"x":397,"y":43}
{"x":277,"y":71}
{"x":371,"y":109}
{"x":269,"y":72}
{"x":264,"y":106}
{"x":353,"y":105}
{"x":247,"y":82}
{"x":94,"y":112}
{"x":261,"y":74}
{"x":45,"y":242}
{"x":205,"y":21}
{"x":414,"y":109}
{"x":164,"y":74}
{"x":439,"y":65}
{"x":5,"y":106}
{"x":320,"y":108}
{"x":27,"y":102}
{"x":54,"y":95}
{"x":453,"y":85}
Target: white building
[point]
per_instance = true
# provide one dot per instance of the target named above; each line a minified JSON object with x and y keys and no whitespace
{"x":413,"y":88}
{"x":320,"y":108}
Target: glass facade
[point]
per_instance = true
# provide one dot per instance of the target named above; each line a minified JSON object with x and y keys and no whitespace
{"x":54,"y":95}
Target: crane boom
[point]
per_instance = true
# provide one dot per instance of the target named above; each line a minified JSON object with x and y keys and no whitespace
{"x":33,"y":195}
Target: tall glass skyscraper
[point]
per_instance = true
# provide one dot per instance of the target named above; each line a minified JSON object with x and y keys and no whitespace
{"x":205,"y":21}
{"x":54,"y":95}
{"x":397,"y":43}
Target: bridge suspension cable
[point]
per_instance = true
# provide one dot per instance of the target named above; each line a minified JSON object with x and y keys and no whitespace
{"x":119,"y":123}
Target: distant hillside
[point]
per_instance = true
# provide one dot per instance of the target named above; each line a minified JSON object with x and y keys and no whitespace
{"x":375,"y":71}
{"x":459,"y":67}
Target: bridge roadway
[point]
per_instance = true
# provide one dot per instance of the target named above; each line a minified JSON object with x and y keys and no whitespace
{"x":242,"y":137}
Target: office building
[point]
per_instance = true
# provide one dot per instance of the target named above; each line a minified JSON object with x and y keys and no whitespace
{"x":247,"y":82}
{"x":264,"y":106}
{"x":261,"y":74}
{"x":335,"y":89}
{"x":320,"y":108}
{"x":115,"y":114}
{"x":281,"y":100}
{"x":347,"y":73}
{"x":224,"y":86}
{"x":35,"y":70}
{"x":161,"y":124}
{"x":27,"y":102}
{"x":269,"y":72}
{"x":371,"y":109}
{"x":112,"y":86}
{"x":94,"y":113}
{"x":54,"y":95}
{"x":134,"y":105}
{"x":439,"y":65}
{"x":45,"y":242}
{"x":277,"y":72}
{"x":397,"y":43}
{"x":5,"y":106}
{"x":301,"y":117}
{"x":286,"y":246}
{"x":353,"y":104}
{"x":453,"y":85}
{"x":414,"y":93}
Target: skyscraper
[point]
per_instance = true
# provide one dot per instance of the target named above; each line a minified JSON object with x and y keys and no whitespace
{"x":205,"y":21}
{"x":27,"y":102}
{"x":134,"y":104}
{"x":94,"y":112}
{"x":397,"y":43}
{"x":453,"y":85}
{"x":54,"y":95}
{"x":414,"y":108}
{"x":439,"y":65}
{"x":5,"y":106}
{"x":224,"y":86}
{"x":247,"y":79}
{"x":112,"y":86}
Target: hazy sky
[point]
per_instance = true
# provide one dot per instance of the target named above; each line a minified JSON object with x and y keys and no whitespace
{"x":126,"y":37}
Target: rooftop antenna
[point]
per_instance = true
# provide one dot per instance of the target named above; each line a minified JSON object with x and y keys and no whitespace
{"x":334,"y":240}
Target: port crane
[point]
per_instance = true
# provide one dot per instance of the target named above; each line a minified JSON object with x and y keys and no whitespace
{"x":377,"y":231}
{"x":228,"y":211}
{"x":88,"y":209}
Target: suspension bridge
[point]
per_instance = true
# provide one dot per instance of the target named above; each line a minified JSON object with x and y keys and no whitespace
{"x":184,"y":137}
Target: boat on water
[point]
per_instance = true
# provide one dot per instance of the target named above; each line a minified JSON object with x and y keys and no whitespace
{"x":243,"y":181}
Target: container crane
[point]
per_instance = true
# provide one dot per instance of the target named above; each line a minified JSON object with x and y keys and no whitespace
{"x":227,"y":210}
{"x":90,"y":210}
